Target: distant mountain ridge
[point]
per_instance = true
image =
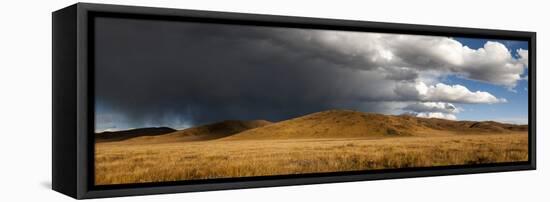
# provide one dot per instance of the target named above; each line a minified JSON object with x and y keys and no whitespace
{"x":208,"y":131}
{"x":328,"y":124}
{"x":127,"y":134}
{"x":202,"y":132}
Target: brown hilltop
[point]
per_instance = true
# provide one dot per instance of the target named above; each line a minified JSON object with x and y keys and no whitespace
{"x":329,"y":124}
{"x":354,"y":124}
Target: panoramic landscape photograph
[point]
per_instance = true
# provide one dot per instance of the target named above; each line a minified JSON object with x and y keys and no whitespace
{"x":180,"y":101}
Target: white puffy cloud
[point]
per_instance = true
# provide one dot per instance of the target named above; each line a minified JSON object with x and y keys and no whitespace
{"x":409,"y":68}
{"x":493,"y":63}
{"x":455,"y":93}
{"x":440,"y":110}
{"x":442,"y":107}
{"x":436,"y":101}
{"x":438,"y":115}
{"x":413,"y":66}
{"x":441,"y":92}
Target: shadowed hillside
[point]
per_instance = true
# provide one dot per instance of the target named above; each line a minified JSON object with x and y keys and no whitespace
{"x":127,"y":134}
{"x":205,"y":132}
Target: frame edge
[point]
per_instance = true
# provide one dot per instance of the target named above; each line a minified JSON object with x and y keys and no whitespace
{"x":64,"y":143}
{"x":83,"y":113}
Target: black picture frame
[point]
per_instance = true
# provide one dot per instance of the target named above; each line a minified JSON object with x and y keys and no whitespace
{"x":73,"y":123}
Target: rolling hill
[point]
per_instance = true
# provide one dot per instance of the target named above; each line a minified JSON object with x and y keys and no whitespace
{"x":205,"y":132}
{"x":354,"y":124}
{"x":326,"y":124}
{"x":330,"y":124}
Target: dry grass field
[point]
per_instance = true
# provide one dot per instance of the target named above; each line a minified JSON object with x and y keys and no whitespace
{"x":119,"y":164}
{"x":185,"y":155}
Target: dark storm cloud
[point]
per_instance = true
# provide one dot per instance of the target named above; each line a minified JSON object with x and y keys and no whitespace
{"x":401,"y":74}
{"x":181,"y":73}
{"x":204,"y":73}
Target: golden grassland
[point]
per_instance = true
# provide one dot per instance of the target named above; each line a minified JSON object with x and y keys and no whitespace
{"x":123,"y":162}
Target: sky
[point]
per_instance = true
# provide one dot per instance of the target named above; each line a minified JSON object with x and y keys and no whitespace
{"x":182,"y":74}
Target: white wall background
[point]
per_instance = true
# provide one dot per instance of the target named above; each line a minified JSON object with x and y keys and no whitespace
{"x":25,"y":99}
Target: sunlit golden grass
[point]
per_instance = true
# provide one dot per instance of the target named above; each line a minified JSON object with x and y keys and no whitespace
{"x":123,"y":162}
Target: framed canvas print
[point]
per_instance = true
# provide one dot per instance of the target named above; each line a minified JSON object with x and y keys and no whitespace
{"x":154,"y":100}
